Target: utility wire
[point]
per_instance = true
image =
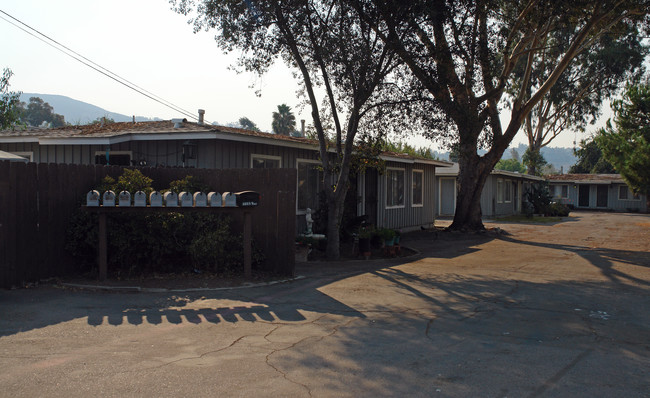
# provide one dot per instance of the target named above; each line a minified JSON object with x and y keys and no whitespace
{"x":80,"y":58}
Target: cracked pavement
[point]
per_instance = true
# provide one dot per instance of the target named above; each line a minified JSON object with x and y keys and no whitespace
{"x":545,"y":311}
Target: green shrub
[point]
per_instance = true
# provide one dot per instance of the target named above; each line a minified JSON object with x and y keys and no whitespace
{"x":539,"y":197}
{"x":556,"y":210}
{"x":189,"y":184}
{"x":219,"y":250}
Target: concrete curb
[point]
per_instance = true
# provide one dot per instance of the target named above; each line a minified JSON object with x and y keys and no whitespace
{"x":137,"y":289}
{"x":164,"y":290}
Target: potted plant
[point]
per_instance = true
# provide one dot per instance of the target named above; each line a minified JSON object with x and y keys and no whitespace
{"x":364,"y":241}
{"x":388,"y":235}
{"x":398,"y":235}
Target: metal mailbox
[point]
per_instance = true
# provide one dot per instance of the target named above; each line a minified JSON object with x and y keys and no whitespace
{"x":229,"y":199}
{"x":186,"y":199}
{"x":247,"y":198}
{"x":171,"y":199}
{"x":108,"y":199}
{"x":215,"y":199}
{"x":92,"y":199}
{"x":124,"y":199}
{"x":155,"y":199}
{"x":140,"y":199}
{"x":200,"y":199}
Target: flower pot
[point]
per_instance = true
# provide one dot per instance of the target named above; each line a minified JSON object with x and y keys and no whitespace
{"x":389,"y":242}
{"x":302,"y":252}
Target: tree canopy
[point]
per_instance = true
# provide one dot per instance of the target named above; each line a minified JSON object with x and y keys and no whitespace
{"x":595,"y":75}
{"x":344,"y":70}
{"x":591,"y":160}
{"x":466,"y":55}
{"x":9,"y":102}
{"x":510,"y":165}
{"x":247,"y":124}
{"x":38,"y":111}
{"x":626,"y":144}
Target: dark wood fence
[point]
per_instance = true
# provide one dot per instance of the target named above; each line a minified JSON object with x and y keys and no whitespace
{"x":37,"y":202}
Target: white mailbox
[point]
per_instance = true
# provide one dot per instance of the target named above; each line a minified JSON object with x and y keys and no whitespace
{"x":124,"y":199}
{"x":140,"y":199}
{"x":92,"y":199}
{"x":171,"y":199}
{"x":155,"y":199}
{"x":229,"y":199}
{"x":108,"y":199}
{"x":186,"y":199}
{"x":215,"y":199}
{"x":200,"y":200}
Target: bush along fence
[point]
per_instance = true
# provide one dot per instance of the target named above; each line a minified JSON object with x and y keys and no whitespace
{"x":44,"y":233}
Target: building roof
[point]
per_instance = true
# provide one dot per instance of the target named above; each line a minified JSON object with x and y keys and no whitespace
{"x":113,"y":133}
{"x":586,"y":178}
{"x":454,"y":169}
{"x":12,"y":158}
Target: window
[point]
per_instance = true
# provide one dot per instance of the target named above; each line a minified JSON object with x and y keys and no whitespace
{"x":507,"y":194}
{"x":624,"y":193}
{"x":115,"y":158}
{"x":500,"y":191}
{"x":309,"y":185}
{"x":564,"y":191}
{"x":265,"y":162}
{"x":418,"y":179}
{"x":394,"y":188}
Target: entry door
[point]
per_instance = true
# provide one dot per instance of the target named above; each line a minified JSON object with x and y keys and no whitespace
{"x":601,"y":196}
{"x":447,"y":196}
{"x":583,"y":195}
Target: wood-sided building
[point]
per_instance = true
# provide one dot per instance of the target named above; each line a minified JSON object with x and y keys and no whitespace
{"x":403,"y":197}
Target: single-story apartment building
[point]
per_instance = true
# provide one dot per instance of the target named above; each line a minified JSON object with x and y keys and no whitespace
{"x":596,"y":191}
{"x":402,"y":197}
{"x":503,"y":193}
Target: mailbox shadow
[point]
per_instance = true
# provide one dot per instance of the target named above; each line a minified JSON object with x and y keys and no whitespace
{"x":29,"y":309}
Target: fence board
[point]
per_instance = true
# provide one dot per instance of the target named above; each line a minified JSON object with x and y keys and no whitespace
{"x":37,"y":202}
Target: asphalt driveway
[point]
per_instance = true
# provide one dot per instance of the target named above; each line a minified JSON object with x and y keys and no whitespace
{"x":557,"y":310}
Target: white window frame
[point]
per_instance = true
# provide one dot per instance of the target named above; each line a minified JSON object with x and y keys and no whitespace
{"x":500,"y":192}
{"x":298,"y":162}
{"x":629,"y":193}
{"x":507,"y":193}
{"x":413,"y":173}
{"x":27,"y":155}
{"x":403,"y":171}
{"x":560,"y":194}
{"x":111,"y":153}
{"x":266,"y":157}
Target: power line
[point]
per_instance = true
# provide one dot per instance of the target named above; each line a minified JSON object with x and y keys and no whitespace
{"x":93,"y":65}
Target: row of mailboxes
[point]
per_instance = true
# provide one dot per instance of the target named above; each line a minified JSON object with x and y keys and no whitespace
{"x":172,"y":199}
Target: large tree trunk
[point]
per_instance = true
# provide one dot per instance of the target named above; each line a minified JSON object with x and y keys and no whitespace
{"x":335,"y":204}
{"x":471,"y":179}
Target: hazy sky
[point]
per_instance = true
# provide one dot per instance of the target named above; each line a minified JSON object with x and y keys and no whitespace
{"x":145,"y":42}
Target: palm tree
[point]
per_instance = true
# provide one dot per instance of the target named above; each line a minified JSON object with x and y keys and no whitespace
{"x":284,"y":122}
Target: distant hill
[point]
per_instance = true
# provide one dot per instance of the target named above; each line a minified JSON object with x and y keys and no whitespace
{"x":561,"y":158}
{"x":79,"y":112}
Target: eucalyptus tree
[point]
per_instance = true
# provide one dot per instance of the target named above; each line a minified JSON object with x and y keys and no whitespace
{"x":592,"y":78}
{"x":466,"y":55}
{"x":344,"y":70}
{"x":9,"y":102}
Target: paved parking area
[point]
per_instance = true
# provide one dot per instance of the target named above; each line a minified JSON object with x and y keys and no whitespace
{"x":544,"y":311}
